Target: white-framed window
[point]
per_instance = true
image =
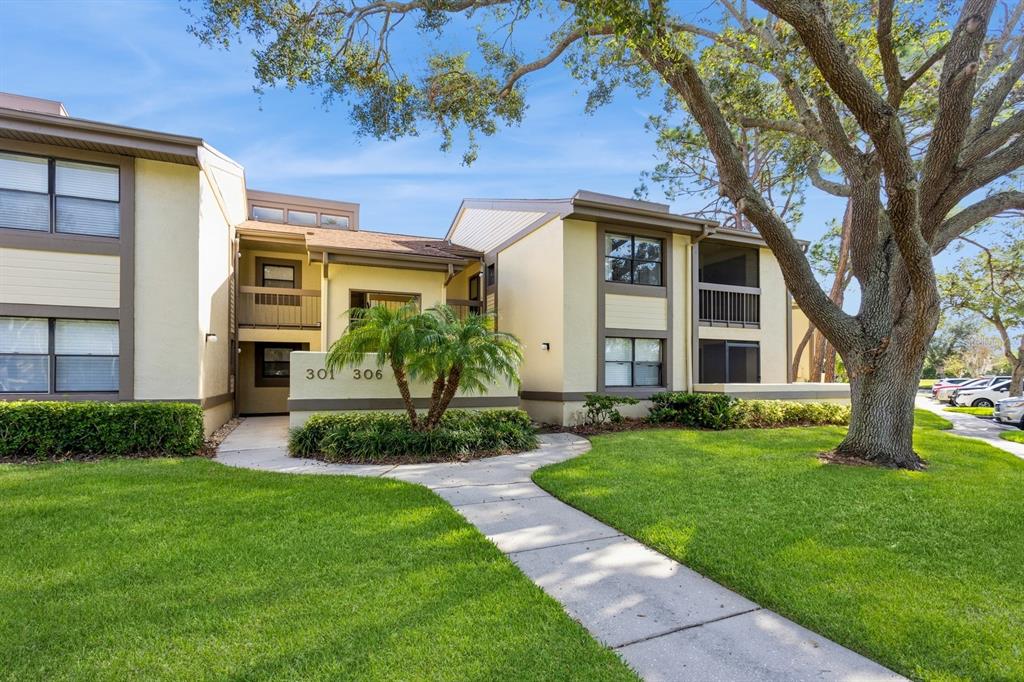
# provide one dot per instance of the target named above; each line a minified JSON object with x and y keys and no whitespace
{"x":329,"y":220}
{"x":301,"y":218}
{"x":272,"y":215}
{"x":55,"y":195}
{"x":632,"y":362}
{"x":45,"y":355}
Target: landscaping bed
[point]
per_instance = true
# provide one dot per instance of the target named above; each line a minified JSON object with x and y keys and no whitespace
{"x":183,"y":569}
{"x":976,"y":411}
{"x":1013,"y":436}
{"x":917,"y":570}
{"x":379,"y":437}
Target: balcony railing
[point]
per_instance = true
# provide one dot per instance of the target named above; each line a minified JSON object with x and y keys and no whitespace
{"x":464,"y":307}
{"x":721,"y":305}
{"x":274,"y":308}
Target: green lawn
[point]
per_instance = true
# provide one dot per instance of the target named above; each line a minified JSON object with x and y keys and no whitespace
{"x":1014,"y":436}
{"x":927,"y":383}
{"x":976,"y":411}
{"x":923,"y":572}
{"x":185,"y":569}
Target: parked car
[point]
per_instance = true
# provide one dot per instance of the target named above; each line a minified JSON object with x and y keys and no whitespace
{"x":1010,"y":411}
{"x":946,"y":392}
{"x":986,"y":396}
{"x":981,"y":382}
{"x":946,"y":383}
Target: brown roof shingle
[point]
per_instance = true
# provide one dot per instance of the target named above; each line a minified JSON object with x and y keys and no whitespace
{"x":327,"y":239}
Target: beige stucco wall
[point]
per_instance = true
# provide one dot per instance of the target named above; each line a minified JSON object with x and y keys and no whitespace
{"x":530,"y":298}
{"x":774,"y":320}
{"x":221,"y":200}
{"x":682,"y":370}
{"x":800,"y":325}
{"x":167,"y":331}
{"x":459,"y":286}
{"x":343,"y":279}
{"x":579,"y":263}
{"x":55,"y":278}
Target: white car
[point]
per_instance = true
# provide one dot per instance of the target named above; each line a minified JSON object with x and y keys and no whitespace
{"x":986,"y":396}
{"x":945,"y":394}
{"x":1010,"y":411}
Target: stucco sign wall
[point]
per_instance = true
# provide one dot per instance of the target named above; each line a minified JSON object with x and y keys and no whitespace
{"x":365,"y":386}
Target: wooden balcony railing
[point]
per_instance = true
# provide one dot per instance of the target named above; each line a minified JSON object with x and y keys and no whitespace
{"x":274,"y":308}
{"x":465,"y":307}
{"x":721,"y":305}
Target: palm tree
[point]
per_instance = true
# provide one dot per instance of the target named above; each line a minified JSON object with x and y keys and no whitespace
{"x":465,"y":353}
{"x":394,"y":334}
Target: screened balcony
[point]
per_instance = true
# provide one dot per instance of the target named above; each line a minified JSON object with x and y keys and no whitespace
{"x":728,"y":287}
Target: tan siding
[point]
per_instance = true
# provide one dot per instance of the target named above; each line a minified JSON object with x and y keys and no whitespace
{"x":580,"y":267}
{"x":635,"y":312}
{"x":55,"y":278}
{"x":484,"y":229}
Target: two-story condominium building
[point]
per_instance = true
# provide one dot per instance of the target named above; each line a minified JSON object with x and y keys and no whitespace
{"x":137,"y":265}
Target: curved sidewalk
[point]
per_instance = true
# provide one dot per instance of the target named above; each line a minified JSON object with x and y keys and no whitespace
{"x":969,"y":426}
{"x":666,"y":621}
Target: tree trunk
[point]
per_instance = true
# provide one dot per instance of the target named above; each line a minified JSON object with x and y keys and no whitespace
{"x":1017,"y":378}
{"x":403,"y":389}
{"x":830,"y":364}
{"x":450,"y":389}
{"x":798,"y":355}
{"x":435,"y":402}
{"x":882,"y":418}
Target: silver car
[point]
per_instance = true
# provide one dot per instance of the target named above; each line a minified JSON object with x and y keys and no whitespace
{"x":1010,"y":411}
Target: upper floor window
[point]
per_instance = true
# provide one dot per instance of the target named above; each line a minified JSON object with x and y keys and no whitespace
{"x":728,"y":264}
{"x":630,"y":259}
{"x":492,"y":274}
{"x":301,"y":218}
{"x":274,"y":215}
{"x":328,"y":220}
{"x":54,"y":195}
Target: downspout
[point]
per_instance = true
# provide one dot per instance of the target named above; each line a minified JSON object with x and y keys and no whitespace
{"x":694,"y":303}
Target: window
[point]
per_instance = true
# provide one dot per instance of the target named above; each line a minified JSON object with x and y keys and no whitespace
{"x":632,"y":362}
{"x":728,"y":264}
{"x":474,"y":288}
{"x":301,"y":218}
{"x":277,"y":275}
{"x":632,"y":260}
{"x":729,"y":362}
{"x":53,"y":195}
{"x":273,"y":363}
{"x":492,"y":274}
{"x":328,"y":220}
{"x":39,"y":355}
{"x":274,"y":215}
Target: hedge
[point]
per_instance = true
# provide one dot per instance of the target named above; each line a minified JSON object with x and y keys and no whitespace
{"x":381,"y":436}
{"x":42,"y":430}
{"x":720,"y":411}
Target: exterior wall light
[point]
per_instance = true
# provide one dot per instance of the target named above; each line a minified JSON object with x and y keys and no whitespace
{"x":211,"y":337}
{"x":545,"y":346}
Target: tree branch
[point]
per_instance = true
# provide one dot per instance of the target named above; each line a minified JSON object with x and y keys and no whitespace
{"x":837,"y":189}
{"x":890,"y":64}
{"x":960,"y":222}
{"x":551,"y":56}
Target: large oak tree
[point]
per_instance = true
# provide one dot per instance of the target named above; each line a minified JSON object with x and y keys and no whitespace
{"x":843,"y":78}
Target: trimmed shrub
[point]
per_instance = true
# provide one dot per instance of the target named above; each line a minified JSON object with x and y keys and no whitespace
{"x":380,"y":436}
{"x":761,"y":414}
{"x":41,"y":430}
{"x":702,"y":410}
{"x":719,"y":411}
{"x":603,"y":409}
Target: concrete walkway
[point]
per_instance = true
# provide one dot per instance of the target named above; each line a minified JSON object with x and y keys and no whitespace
{"x":666,"y":621}
{"x":970,"y":426}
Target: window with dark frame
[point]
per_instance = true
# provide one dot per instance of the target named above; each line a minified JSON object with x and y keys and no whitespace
{"x":278,"y":275}
{"x":492,"y":274}
{"x":47,"y":355}
{"x":273,"y":362}
{"x":729,"y":362}
{"x":632,"y":362}
{"x":46,"y":194}
{"x":633,"y":259}
{"x":474,"y":287}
